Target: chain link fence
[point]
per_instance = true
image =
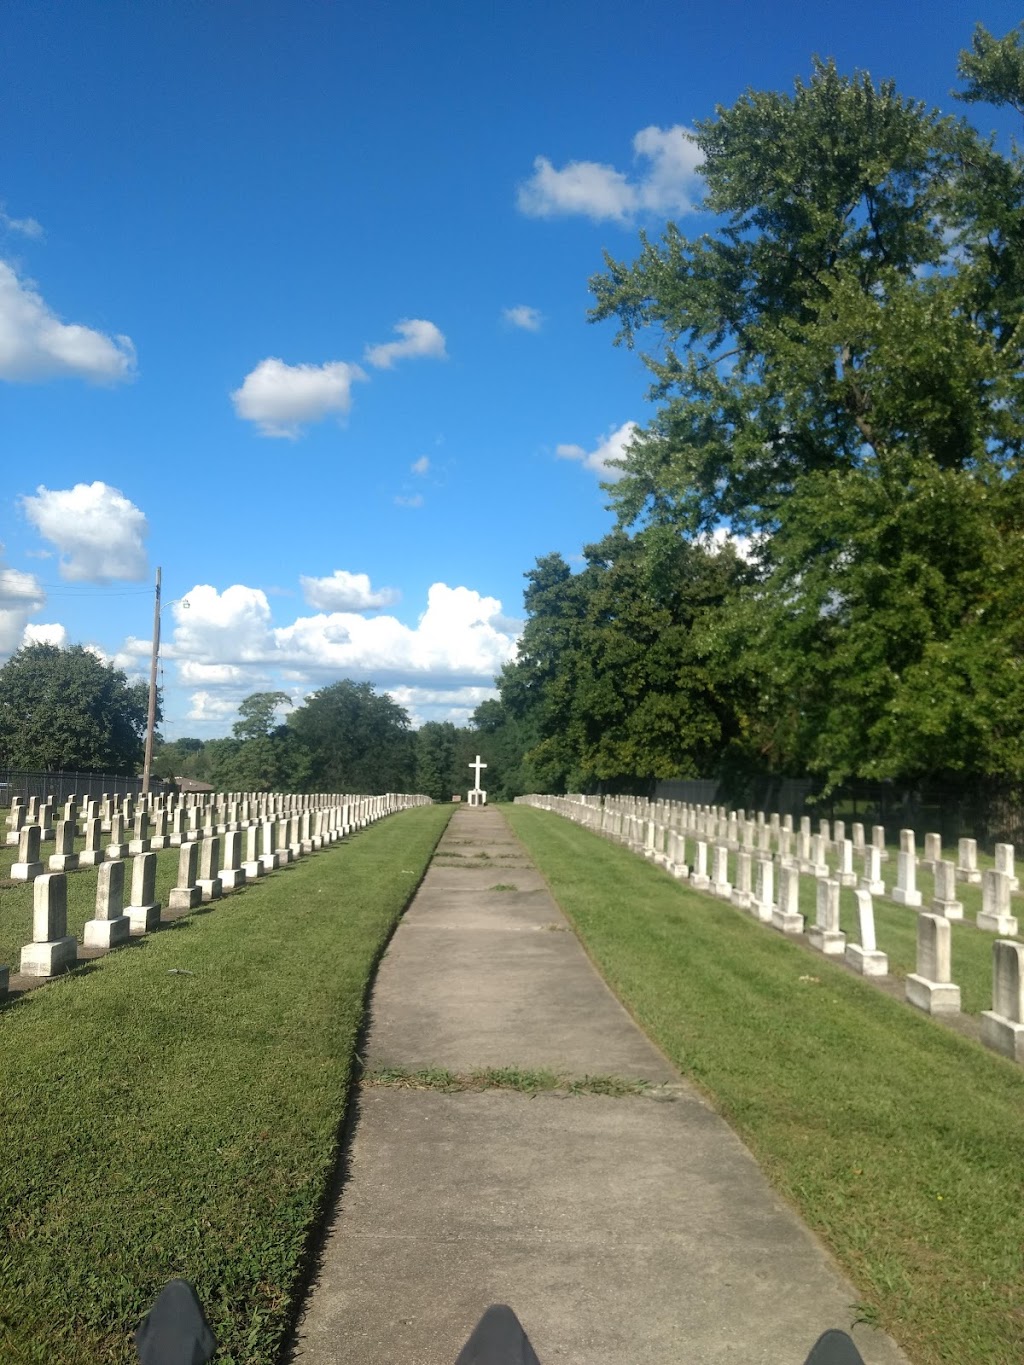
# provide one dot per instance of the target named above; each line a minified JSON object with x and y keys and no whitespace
{"x":87,"y":786}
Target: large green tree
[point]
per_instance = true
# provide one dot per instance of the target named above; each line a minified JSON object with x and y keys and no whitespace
{"x":66,"y":710}
{"x":355,"y":739}
{"x":618,"y":680}
{"x":838,"y":368}
{"x":437,"y":744}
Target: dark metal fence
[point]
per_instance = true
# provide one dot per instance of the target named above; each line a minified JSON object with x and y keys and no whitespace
{"x":24,"y":783}
{"x":993,"y":814}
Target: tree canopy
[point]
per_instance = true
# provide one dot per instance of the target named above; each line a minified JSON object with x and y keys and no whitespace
{"x":66,"y":710}
{"x":838,"y":373}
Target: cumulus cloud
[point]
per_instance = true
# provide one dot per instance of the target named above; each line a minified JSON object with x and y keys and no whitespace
{"x":746,"y":547}
{"x":668,"y":181}
{"x":21,"y":596}
{"x":25,"y":227}
{"x":52,"y":633}
{"x":344,"y":591}
{"x":282,"y":398}
{"x":420,"y":466}
{"x":208,"y":706}
{"x":461,"y":638}
{"x":455,"y":704}
{"x":610,"y":447}
{"x":409,"y":499}
{"x":35,"y":344}
{"x":419,"y":339}
{"x":522,"y":315}
{"x":97,"y":530}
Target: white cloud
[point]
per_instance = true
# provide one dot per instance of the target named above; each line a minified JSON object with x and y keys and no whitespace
{"x":409,"y":499}
{"x":98,"y":532}
{"x":420,"y":466}
{"x":609,"y":447}
{"x":45,"y":634}
{"x":455,"y":704}
{"x":26,"y":227}
{"x":207,"y":706}
{"x":35,"y":344}
{"x":668,"y":181}
{"x":419,"y":339}
{"x":522,"y":315}
{"x":21,"y":596}
{"x":344,"y":591}
{"x":461,"y":638}
{"x":746,"y":547}
{"x":673,"y":183}
{"x":282,"y":398}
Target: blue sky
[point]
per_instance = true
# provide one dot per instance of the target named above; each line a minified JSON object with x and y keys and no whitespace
{"x":293,"y":304}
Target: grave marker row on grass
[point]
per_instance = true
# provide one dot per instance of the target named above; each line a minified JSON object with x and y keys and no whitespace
{"x":661,"y":831}
{"x":277,"y":829}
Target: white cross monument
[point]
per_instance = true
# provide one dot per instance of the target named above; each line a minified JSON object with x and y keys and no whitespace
{"x":476,"y":796}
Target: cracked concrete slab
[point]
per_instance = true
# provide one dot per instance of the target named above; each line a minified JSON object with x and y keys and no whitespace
{"x":624,"y":1231}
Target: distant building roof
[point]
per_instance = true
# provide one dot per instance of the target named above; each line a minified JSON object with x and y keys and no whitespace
{"x":191,"y":784}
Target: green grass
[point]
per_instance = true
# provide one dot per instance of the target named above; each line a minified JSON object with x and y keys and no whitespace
{"x":899,"y":1141}
{"x":527,"y":1081}
{"x":175,"y":1108}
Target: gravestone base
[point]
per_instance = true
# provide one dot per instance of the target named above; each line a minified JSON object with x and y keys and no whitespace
{"x":478,"y":798}
{"x":143,"y":919}
{"x":679,"y":870}
{"x":107,"y":933}
{"x":210,"y":888}
{"x":1003,"y":1035}
{"x":232,"y":878}
{"x":699,"y":881}
{"x":184,"y":897}
{"x":761,"y":910}
{"x":969,"y":875}
{"x":13,"y":838}
{"x":873,"y":888}
{"x":270,"y":862}
{"x":948,"y":909}
{"x":847,"y":879}
{"x":787,"y":923}
{"x":934,"y":997}
{"x":175,"y":840}
{"x":115,"y":853}
{"x":828,"y":941}
{"x":46,"y":959}
{"x":159,"y":842}
{"x":64,"y":862}
{"x":306,"y":846}
{"x":911,"y":899}
{"x":25,"y":872}
{"x":741,"y":899}
{"x":868,"y":963}
{"x":723,"y":890}
{"x":91,"y":857}
{"x":1004,"y":925}
{"x":254,"y":870}
{"x":137,"y":846}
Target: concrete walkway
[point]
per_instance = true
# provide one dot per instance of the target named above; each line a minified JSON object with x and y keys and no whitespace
{"x":631,"y":1230}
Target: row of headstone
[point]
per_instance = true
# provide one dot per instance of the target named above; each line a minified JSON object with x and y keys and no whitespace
{"x":752,"y":887}
{"x":150,"y":830}
{"x":209,"y":866}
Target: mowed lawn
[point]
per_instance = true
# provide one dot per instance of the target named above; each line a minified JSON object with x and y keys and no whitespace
{"x":900,"y":1142}
{"x":175,"y":1108}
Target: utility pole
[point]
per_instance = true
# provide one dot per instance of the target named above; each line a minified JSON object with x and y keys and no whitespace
{"x":151,"y":722}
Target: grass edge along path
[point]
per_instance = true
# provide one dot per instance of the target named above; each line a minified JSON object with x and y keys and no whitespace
{"x":176,"y":1109}
{"x":900,"y":1143}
